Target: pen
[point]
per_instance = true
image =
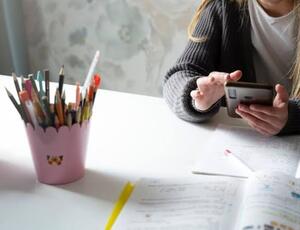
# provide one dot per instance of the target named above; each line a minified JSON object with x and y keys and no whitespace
{"x":236,"y":159}
{"x":90,"y":72}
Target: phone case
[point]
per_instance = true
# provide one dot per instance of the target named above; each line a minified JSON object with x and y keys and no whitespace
{"x":246,"y":93}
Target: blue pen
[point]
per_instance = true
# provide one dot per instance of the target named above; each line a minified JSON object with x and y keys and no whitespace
{"x":40,"y":79}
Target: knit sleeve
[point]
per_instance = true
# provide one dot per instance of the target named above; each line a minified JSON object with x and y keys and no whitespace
{"x":293,"y":124}
{"x":197,"y":60}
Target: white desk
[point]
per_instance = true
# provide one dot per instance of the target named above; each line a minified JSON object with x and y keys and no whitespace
{"x":132,"y":136}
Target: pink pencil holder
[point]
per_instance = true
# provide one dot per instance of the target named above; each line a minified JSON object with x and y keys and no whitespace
{"x":59,"y":155}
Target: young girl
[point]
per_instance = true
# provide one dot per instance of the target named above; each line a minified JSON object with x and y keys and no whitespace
{"x":246,"y":40}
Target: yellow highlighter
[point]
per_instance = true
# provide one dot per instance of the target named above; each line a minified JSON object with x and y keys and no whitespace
{"x":124,"y":196}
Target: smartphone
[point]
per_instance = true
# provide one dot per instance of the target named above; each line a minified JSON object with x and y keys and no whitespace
{"x":246,"y":93}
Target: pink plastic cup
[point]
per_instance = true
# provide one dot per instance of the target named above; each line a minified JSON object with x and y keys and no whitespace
{"x":59,"y":156}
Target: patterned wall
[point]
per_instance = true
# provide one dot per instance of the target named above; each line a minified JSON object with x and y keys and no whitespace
{"x":138,"y":39}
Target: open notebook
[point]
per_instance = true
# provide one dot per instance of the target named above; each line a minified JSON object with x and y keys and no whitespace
{"x":255,"y":151}
{"x":267,"y":201}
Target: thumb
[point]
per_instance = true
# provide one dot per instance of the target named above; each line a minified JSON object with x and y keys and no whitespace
{"x":282,"y":95}
{"x":235,"y":76}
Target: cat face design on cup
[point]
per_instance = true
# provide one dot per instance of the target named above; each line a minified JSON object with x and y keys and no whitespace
{"x":55,"y":160}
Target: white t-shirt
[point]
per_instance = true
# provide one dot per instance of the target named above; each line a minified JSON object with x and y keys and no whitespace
{"x":274,"y":42}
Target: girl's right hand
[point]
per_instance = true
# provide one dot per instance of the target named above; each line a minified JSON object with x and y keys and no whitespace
{"x":211,"y":88}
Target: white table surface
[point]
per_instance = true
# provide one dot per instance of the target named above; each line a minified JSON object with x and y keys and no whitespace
{"x":132,"y":136}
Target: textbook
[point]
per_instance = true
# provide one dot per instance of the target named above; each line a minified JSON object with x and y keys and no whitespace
{"x":265,"y":201}
{"x":255,"y":151}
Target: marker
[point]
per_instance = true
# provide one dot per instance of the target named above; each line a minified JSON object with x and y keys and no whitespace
{"x":29,"y":107}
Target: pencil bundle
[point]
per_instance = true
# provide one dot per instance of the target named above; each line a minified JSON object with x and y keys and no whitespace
{"x":35,"y":107}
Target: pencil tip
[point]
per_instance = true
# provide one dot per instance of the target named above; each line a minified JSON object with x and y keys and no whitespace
{"x":61,"y":72}
{"x":7,"y":91}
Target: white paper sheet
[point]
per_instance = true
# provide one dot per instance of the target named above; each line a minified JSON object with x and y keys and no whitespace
{"x":272,"y":201}
{"x":202,"y":202}
{"x":254,"y":150}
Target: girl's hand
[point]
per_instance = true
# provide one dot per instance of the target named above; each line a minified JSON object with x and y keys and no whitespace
{"x":267,"y":120}
{"x":211,"y":88}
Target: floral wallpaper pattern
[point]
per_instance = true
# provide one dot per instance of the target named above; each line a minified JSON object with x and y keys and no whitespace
{"x":138,"y":39}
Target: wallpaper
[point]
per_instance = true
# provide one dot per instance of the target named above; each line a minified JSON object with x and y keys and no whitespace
{"x":138,"y":39}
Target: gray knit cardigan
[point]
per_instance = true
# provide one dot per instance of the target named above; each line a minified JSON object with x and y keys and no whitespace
{"x":227,"y":48}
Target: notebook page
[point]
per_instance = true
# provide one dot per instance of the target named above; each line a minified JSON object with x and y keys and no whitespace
{"x":201,"y":202}
{"x":256,"y":151}
{"x":272,"y":201}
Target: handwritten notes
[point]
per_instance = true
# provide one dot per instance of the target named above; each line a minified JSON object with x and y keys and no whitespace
{"x":192,"y":203}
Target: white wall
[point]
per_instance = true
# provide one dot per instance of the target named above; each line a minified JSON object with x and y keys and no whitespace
{"x":6,"y":65}
{"x":139,"y":39}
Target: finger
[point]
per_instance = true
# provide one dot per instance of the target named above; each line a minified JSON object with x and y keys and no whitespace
{"x":272,"y":120}
{"x":282,"y":96}
{"x":236,"y":75}
{"x":219,"y":77}
{"x":268,"y":110}
{"x":203,"y":81}
{"x":251,"y":124}
{"x":254,"y":121}
{"x":262,"y":131}
{"x":196,"y":94}
{"x":258,"y":129}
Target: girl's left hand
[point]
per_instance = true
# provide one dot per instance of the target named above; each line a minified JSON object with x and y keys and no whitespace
{"x":267,"y":120}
